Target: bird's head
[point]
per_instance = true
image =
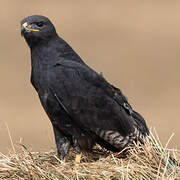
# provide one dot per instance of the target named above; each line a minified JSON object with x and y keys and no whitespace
{"x":37,"y":29}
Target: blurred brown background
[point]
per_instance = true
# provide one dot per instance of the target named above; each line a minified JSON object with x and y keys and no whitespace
{"x":136,"y":44}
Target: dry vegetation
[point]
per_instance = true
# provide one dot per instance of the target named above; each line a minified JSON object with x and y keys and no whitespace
{"x":152,"y":161}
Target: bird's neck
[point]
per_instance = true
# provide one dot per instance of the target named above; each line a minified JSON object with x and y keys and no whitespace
{"x":53,"y":51}
{"x":45,"y":55}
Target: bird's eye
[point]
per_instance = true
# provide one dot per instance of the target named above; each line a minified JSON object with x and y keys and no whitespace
{"x":39,"y":24}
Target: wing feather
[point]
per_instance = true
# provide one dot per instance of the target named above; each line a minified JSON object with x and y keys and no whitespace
{"x":90,"y":99}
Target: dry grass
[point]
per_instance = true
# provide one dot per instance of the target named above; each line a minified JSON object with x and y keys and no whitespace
{"x":151,"y":161}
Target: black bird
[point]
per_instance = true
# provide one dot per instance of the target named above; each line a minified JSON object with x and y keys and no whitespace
{"x":84,"y":108}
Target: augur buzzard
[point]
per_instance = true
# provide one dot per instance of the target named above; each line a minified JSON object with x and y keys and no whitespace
{"x":83,"y":107}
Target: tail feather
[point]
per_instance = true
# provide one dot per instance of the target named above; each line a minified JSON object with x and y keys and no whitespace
{"x":141,"y":124}
{"x":118,"y":141}
{"x":113,"y":137}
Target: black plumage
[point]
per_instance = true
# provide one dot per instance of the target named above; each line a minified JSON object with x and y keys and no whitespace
{"x":83,"y":107}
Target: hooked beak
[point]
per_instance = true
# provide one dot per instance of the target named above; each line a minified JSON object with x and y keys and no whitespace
{"x":26,"y":28}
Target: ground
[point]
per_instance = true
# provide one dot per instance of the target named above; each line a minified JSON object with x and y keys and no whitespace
{"x":151,"y":161}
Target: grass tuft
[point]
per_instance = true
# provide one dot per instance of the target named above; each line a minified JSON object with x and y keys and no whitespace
{"x":149,"y":161}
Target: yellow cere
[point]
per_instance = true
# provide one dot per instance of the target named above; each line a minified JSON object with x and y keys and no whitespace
{"x":25,"y":25}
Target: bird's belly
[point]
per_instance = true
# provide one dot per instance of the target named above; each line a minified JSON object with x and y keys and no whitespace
{"x":57,"y":114}
{"x":51,"y":106}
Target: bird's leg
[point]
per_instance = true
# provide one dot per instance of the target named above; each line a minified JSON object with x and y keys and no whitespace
{"x":62,"y":143}
{"x":78,"y":151}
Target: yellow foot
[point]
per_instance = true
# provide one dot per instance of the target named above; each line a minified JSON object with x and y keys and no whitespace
{"x":78,"y":158}
{"x":63,"y":161}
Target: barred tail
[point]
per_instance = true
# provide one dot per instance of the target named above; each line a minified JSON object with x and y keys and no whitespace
{"x":114,"y":137}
